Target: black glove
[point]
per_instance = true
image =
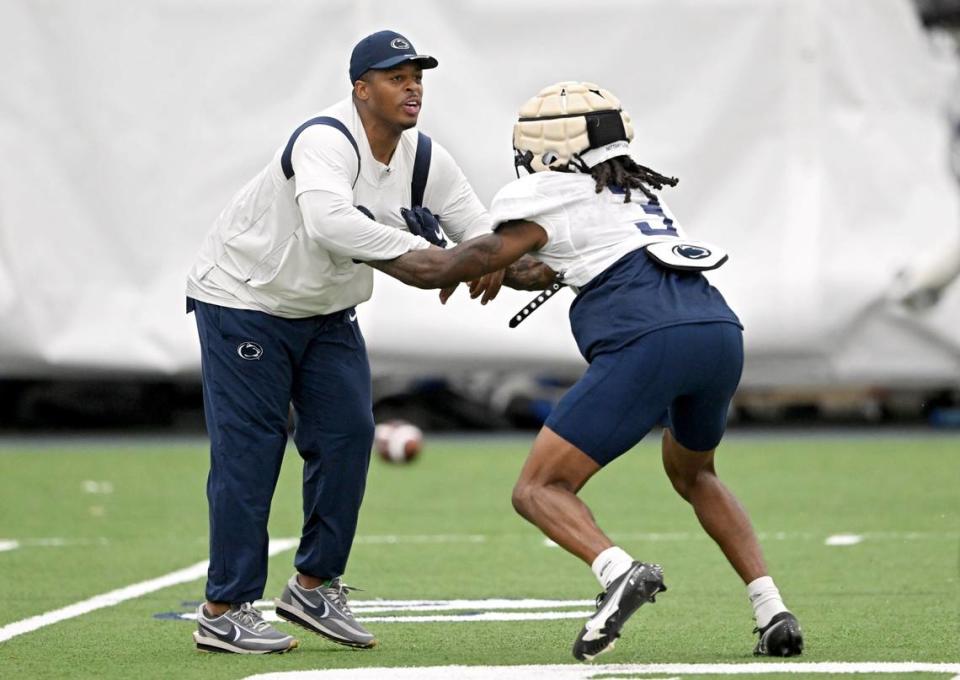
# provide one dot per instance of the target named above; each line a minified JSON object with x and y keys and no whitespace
{"x":424,"y":224}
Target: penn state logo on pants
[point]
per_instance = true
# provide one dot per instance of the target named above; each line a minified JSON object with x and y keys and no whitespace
{"x":250,"y":351}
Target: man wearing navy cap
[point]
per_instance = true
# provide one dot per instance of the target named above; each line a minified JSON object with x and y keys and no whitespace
{"x":275,"y":289}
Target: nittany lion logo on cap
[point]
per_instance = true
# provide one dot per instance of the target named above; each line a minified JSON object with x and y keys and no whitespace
{"x":399,"y":44}
{"x":250,"y":351}
{"x":691,"y":252}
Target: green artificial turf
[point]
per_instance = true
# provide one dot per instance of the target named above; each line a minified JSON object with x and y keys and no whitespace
{"x":443,"y":528}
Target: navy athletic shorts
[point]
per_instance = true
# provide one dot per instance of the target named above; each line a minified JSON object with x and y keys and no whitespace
{"x":687,"y":372}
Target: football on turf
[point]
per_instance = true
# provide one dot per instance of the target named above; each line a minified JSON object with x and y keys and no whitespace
{"x":397,"y":441}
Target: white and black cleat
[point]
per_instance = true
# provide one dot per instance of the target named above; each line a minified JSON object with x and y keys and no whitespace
{"x":324,"y":611}
{"x":639,"y":584}
{"x":781,"y":637}
{"x":240,"y":630}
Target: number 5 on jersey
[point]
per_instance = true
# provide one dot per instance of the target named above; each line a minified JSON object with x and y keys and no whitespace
{"x":653,"y":208}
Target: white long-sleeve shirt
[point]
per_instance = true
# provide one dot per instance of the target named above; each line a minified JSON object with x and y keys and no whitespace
{"x":286,"y":246}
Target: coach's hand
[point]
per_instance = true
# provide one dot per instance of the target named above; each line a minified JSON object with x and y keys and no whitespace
{"x":423,"y":223}
{"x":487,"y":285}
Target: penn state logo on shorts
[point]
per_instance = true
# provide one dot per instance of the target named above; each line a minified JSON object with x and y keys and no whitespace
{"x":691,"y":252}
{"x":399,"y":44}
{"x":250,"y":351}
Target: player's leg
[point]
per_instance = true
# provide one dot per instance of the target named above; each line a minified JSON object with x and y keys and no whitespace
{"x":246,"y":391}
{"x":694,"y":477}
{"x":546,"y":495}
{"x":334,"y":435}
{"x":698,"y":421}
{"x":611,"y":408}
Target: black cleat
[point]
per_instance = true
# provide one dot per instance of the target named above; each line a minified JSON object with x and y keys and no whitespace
{"x":781,"y":637}
{"x":639,"y":584}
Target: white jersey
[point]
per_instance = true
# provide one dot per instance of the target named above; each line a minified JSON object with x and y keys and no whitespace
{"x":266,"y":252}
{"x":586,"y":231}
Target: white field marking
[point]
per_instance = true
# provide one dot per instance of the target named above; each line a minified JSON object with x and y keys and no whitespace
{"x":658,"y":536}
{"x":911,"y":535}
{"x":93,"y":486}
{"x":794,"y":536}
{"x":6,"y":545}
{"x":701,"y":536}
{"x":426,"y":609}
{"x":372,"y":606}
{"x":53,"y":542}
{"x":421,"y":538}
{"x":455,"y":605}
{"x":843,"y":539}
{"x":485,"y":617}
{"x":491,"y":610}
{"x":590,"y":671}
{"x":191,"y":573}
{"x":549,"y":543}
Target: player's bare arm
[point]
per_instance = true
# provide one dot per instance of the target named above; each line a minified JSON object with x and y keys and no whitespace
{"x":528,"y":274}
{"x":524,"y":274}
{"x":437,"y":268}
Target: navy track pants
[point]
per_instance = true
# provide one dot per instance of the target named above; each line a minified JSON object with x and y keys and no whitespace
{"x":254,"y":366}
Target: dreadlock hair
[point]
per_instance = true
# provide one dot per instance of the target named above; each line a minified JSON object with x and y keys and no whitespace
{"x":625,"y":173}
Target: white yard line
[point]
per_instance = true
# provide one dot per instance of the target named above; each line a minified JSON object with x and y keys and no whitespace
{"x":485,"y":617}
{"x":383,"y":606}
{"x":453,"y":605}
{"x":420,"y":538}
{"x":834,"y":539}
{"x":843,"y":539}
{"x":191,"y":573}
{"x":590,"y":671}
{"x":425,"y":611}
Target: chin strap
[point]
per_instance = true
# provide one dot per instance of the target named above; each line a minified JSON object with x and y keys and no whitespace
{"x":522,"y":159}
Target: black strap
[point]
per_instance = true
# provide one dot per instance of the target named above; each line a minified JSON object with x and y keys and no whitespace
{"x":534,"y":304}
{"x":285,"y":162}
{"x":421,"y":169}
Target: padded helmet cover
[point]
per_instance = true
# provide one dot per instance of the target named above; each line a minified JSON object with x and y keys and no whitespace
{"x":566,"y":119}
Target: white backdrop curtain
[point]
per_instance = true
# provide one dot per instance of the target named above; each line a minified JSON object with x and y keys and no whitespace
{"x":809,"y":137}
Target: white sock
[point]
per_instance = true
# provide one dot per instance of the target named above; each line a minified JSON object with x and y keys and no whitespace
{"x":610,"y":565}
{"x":765,"y":599}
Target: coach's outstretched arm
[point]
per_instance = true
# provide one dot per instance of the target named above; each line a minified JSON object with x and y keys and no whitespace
{"x":437,"y":268}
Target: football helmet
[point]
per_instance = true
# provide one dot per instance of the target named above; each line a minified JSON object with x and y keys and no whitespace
{"x":580,"y":124}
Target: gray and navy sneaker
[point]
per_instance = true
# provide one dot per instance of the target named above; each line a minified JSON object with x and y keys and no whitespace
{"x":639,"y":584}
{"x":240,"y":630}
{"x":781,"y":637}
{"x":324,"y":611}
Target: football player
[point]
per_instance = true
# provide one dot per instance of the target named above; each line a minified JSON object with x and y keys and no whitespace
{"x":662,"y":344}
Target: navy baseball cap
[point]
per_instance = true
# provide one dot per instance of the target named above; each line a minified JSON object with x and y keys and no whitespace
{"x":384,"y":49}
